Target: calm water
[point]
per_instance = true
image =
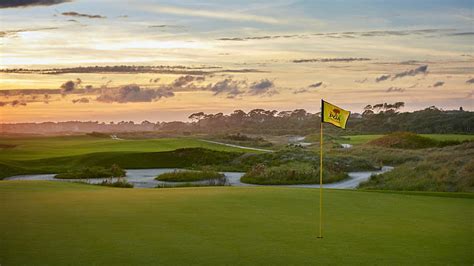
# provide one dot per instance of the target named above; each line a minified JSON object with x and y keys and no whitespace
{"x":145,"y":178}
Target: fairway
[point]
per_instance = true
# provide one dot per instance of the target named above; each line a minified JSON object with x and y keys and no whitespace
{"x":53,"y":223}
{"x":48,"y":147}
{"x":361,"y":139}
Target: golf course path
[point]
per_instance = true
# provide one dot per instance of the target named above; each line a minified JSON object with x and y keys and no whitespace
{"x":236,"y":146}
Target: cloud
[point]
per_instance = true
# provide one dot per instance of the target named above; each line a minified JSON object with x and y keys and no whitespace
{"x":133,"y":93}
{"x":264,"y":86}
{"x":382,"y":78}
{"x":69,"y":86}
{"x":395,"y":89}
{"x":75,"y":14}
{"x":212,"y":14}
{"x":412,"y":72}
{"x":186,"y":80}
{"x":16,"y":103}
{"x":81,"y":100}
{"x":361,"y":80}
{"x":164,"y":26}
{"x":161,"y":69}
{"x":11,"y":33}
{"x":316,"y":85}
{"x":348,"y":35}
{"x":325,"y":60}
{"x":228,"y":86}
{"x":470,"y":81}
{"x":462,"y":33}
{"x":438,"y":84}
{"x":29,"y":3}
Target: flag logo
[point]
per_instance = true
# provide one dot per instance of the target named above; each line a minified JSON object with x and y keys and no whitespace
{"x":334,"y":115}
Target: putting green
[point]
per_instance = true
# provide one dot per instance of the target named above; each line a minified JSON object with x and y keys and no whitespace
{"x":54,"y":223}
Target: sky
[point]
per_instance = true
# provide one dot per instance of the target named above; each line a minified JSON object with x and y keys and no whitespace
{"x":174,"y":58}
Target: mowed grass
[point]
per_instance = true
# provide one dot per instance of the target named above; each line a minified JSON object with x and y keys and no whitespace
{"x":362,"y":139}
{"x":30,"y":148}
{"x":54,"y":223}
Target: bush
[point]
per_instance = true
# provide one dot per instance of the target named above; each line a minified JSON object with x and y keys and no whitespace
{"x":189,"y":176}
{"x":93,"y":172}
{"x":119,"y":183}
{"x":209,"y":183}
{"x":288,"y":174}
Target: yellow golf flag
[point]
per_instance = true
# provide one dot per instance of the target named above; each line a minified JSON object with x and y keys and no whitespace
{"x":334,"y":115}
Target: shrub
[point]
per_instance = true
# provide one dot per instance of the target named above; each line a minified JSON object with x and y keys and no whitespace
{"x":188,"y":176}
{"x":293,"y":173}
{"x":93,"y":172}
{"x":119,"y":183}
{"x":209,"y":183}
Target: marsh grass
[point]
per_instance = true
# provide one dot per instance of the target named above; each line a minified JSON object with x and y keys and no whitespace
{"x":289,"y":174}
{"x":448,"y":169}
{"x":222,"y":181}
{"x":189,"y":176}
{"x":119,"y":183}
{"x":92,"y":172}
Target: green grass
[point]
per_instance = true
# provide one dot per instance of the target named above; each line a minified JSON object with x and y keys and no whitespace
{"x":56,"y":223}
{"x":362,"y":139}
{"x":30,"y":155}
{"x":30,"y":148}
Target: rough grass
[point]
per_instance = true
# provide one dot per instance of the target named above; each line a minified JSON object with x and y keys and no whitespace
{"x":189,"y":176}
{"x":290,"y":174}
{"x":362,"y":139}
{"x":221,"y":181}
{"x":448,"y":169}
{"x":407,"y":140}
{"x":94,"y":225}
{"x":91,"y":172}
{"x":119,"y":184}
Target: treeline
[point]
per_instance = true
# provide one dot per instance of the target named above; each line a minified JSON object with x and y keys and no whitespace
{"x":379,"y":118}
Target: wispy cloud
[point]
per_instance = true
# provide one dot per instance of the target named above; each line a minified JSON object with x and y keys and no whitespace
{"x":316,"y":85}
{"x":75,"y":14}
{"x":325,"y":60}
{"x":213,"y":14}
{"x":29,"y":3}
{"x":412,"y":72}
{"x":261,"y":87}
{"x":382,"y":78}
{"x":133,"y":93}
{"x":351,"y":34}
{"x":395,"y":89}
{"x":438,"y":84}
{"x":11,"y":33}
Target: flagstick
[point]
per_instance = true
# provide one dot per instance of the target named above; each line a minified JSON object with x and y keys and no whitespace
{"x":321,"y":183}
